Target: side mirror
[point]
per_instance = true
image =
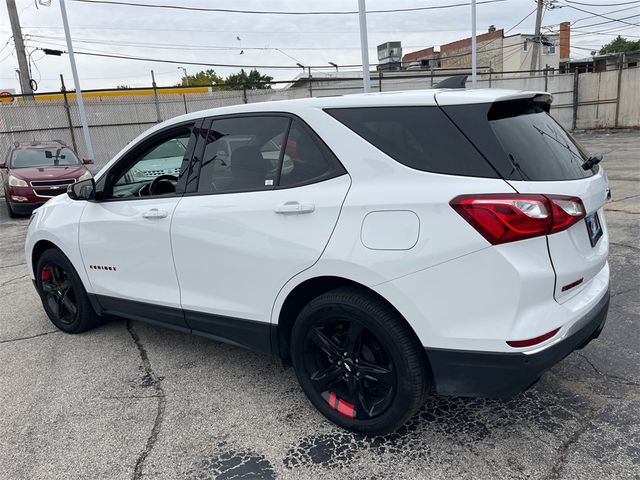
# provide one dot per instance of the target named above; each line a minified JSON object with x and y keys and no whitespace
{"x":3,"y":165}
{"x":87,"y":161}
{"x":84,"y":190}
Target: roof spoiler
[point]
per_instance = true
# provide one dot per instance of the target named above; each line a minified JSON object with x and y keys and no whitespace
{"x":458,"y":81}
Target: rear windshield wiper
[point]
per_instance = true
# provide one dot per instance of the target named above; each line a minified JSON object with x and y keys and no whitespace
{"x":592,"y":161}
{"x":568,"y":147}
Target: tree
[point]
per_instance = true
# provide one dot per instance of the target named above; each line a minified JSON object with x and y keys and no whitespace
{"x":203,"y":78}
{"x":252,"y":81}
{"x":619,"y":44}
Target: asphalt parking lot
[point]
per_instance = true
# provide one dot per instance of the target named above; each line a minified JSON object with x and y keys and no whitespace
{"x":129,"y":400}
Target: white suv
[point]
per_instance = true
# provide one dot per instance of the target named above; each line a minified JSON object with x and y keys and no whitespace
{"x":434,"y":241}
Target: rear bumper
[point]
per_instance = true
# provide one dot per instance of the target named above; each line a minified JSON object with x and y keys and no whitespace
{"x":505,"y":374}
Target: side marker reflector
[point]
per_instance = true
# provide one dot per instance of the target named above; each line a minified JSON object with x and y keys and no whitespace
{"x":532,"y":341}
{"x":569,"y":286}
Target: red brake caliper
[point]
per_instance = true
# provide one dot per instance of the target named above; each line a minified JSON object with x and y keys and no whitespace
{"x":343,"y":407}
{"x":45,"y":274}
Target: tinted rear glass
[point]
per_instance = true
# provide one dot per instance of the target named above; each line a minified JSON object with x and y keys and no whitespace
{"x":43,"y":157}
{"x":419,"y":137}
{"x":521,"y":140}
{"x":536,"y":145}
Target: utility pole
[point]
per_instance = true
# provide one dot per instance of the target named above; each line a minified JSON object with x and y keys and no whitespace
{"x":364,"y":46}
{"x":536,"y":39}
{"x":25,"y":80}
{"x":76,"y":82}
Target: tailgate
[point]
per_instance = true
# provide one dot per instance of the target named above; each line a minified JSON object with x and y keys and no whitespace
{"x":574,"y":259}
{"x":535,"y":155}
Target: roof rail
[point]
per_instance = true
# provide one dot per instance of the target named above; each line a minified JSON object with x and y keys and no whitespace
{"x":458,"y":81}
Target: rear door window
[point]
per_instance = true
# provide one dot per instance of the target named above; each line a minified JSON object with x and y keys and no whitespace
{"x":306,"y":159}
{"x":422,"y":138}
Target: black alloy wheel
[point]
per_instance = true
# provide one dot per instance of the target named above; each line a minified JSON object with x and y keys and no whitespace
{"x":358,"y":361}
{"x":63,"y":295}
{"x":349,"y":368}
{"x":58,"y":293}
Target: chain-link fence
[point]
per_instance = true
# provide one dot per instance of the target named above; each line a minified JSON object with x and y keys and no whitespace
{"x":606,"y":99}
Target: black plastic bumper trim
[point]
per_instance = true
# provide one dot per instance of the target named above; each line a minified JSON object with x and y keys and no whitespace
{"x":505,"y":374}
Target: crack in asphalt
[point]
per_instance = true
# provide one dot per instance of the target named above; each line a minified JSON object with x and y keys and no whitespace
{"x":624,"y":291}
{"x":14,"y":265}
{"x":9,"y":340}
{"x":160,"y":395}
{"x":621,"y":210}
{"x":563,"y":451}
{"x":624,"y":245}
{"x":624,"y":198}
{"x":613,"y":378}
{"x":13,"y":280}
{"x":131,"y":397}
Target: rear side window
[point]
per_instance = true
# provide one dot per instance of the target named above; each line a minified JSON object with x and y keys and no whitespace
{"x":422,"y":138}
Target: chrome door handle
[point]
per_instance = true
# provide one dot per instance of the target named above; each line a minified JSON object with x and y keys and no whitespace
{"x":295,"y":208}
{"x":154,"y":213}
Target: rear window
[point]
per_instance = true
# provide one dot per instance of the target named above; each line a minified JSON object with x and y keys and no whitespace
{"x":521,"y":140}
{"x":422,"y":138}
{"x":536,"y":145}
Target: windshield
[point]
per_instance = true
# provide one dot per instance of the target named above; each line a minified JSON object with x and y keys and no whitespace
{"x":43,"y":157}
{"x":538,"y":147}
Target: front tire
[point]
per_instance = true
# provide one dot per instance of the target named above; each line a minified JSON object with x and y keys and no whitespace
{"x":63,"y":295}
{"x":358,"y":362}
{"x":10,"y":211}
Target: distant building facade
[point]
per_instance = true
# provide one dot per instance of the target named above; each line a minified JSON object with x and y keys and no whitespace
{"x":390,"y":56}
{"x":494,"y":51}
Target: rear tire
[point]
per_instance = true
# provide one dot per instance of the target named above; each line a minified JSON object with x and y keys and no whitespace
{"x":63,"y":295}
{"x":358,"y":362}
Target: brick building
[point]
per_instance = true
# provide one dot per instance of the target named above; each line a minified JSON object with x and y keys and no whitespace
{"x":494,"y":51}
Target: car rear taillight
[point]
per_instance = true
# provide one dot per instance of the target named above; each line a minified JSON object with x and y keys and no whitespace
{"x":505,"y":217}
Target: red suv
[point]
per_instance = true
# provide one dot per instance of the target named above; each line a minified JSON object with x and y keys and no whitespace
{"x":35,"y":172}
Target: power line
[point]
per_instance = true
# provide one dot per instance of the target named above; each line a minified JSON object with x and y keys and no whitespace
{"x":98,"y":53}
{"x":8,"y":55}
{"x":206,"y":64}
{"x":602,"y":16}
{"x":244,"y":32}
{"x":178,"y":46}
{"x":6,"y":43}
{"x":280,"y":12}
{"x":602,"y":4}
{"x":609,"y":21}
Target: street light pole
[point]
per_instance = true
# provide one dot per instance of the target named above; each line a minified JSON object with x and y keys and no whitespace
{"x":76,"y":82}
{"x":474,"y":47}
{"x":364,"y":46}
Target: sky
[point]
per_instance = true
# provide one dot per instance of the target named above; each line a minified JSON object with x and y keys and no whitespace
{"x":283,"y":40}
